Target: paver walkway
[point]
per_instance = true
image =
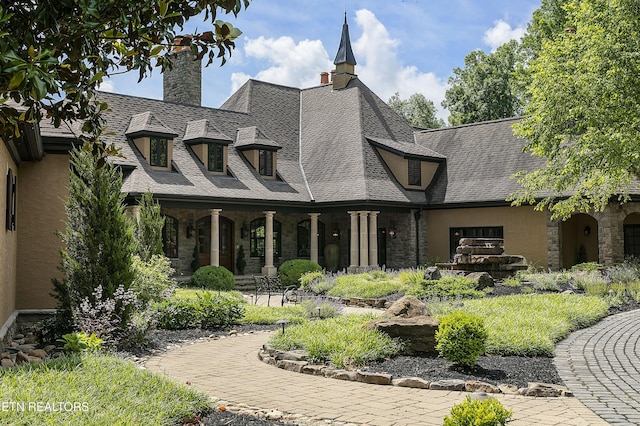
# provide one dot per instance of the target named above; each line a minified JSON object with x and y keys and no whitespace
{"x":601,"y":365}
{"x":229,"y":369}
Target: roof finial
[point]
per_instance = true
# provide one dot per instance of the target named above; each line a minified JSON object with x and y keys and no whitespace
{"x":345,"y":53}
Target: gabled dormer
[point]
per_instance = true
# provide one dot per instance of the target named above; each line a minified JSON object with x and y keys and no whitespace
{"x":259,"y":150}
{"x":210,"y":145}
{"x":412,"y":165}
{"x":153,"y":139}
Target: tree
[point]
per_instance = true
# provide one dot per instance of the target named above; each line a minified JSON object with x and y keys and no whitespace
{"x":584,"y":113}
{"x":485,"y":88}
{"x":96,"y":260}
{"x":417,"y":110}
{"x":55,"y":54}
{"x":148,"y":228}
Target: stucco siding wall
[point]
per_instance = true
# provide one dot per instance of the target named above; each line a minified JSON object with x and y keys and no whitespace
{"x":8,"y":242}
{"x":525,"y":230}
{"x":43,"y":188}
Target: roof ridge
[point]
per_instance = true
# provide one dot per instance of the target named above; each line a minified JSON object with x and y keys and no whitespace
{"x":478,"y":123}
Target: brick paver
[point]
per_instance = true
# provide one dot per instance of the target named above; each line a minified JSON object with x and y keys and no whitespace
{"x":229,"y":369}
{"x":601,"y":365}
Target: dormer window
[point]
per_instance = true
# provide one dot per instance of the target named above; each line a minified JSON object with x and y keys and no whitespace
{"x":159,"y":152}
{"x":265,"y":159}
{"x":153,"y":140}
{"x":215,"y":157}
{"x":415,"y":172}
{"x":210,"y":145}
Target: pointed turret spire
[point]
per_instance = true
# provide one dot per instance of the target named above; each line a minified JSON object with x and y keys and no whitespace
{"x":345,"y":61}
{"x":345,"y":54}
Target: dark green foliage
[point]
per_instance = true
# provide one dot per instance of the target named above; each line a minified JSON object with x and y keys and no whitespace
{"x":241,"y":263}
{"x":488,"y":412}
{"x":417,"y":110}
{"x":213,"y":278}
{"x":98,"y":240}
{"x":205,"y":311}
{"x":461,"y":338}
{"x":148,"y":228}
{"x":291,"y":271}
{"x":195,"y":263}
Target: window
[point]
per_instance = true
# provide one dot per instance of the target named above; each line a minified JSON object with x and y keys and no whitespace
{"x":265,"y":162}
{"x":632,"y":241}
{"x":478,"y":232}
{"x":415,"y":169}
{"x":11,"y":201}
{"x":159,"y":152}
{"x":215,"y":161}
{"x":257,"y":238}
{"x":304,"y":238}
{"x":170,"y":236}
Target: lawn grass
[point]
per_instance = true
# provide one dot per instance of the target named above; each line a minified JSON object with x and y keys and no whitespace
{"x":254,"y":314}
{"x":106,"y":390}
{"x":530,"y":325}
{"x":192,"y":293}
{"x":342,"y":340}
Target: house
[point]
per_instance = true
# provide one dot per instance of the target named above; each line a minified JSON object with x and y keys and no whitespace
{"x":329,"y":173}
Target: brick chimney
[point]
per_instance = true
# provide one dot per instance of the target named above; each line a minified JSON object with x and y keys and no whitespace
{"x":183,"y":82}
{"x":324,"y":78}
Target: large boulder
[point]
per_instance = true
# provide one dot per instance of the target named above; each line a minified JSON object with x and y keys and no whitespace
{"x":483,"y":279}
{"x":407,"y":307}
{"x":418,"y":333}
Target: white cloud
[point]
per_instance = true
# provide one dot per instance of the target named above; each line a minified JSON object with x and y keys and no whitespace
{"x":500,"y":33}
{"x":289,"y":63}
{"x":106,"y":86}
{"x":381,"y":70}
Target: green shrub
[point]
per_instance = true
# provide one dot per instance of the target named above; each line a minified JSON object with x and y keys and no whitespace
{"x":151,"y":282}
{"x":80,"y":342}
{"x":317,"y":309}
{"x":411,"y":276}
{"x":308,"y":279}
{"x":372,"y":284}
{"x":213,"y":278}
{"x":291,"y":271}
{"x":513,"y":281}
{"x":461,"y":338}
{"x":582,"y":280}
{"x":488,"y":412}
{"x":206,"y":310}
{"x":447,"y":287}
{"x":254,"y":314}
{"x":586,"y":267}
{"x":625,"y":273}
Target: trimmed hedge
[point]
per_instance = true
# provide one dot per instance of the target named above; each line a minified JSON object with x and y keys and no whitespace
{"x":213,"y":278}
{"x":291,"y":271}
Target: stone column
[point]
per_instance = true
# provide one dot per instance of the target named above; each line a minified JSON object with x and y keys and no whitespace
{"x":364,"y":240}
{"x":268,"y":269}
{"x":373,"y":238}
{"x":215,"y":237}
{"x":353,"y":252}
{"x":313,"y":250}
{"x":554,"y":243}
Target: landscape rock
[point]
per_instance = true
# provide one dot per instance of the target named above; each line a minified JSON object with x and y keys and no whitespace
{"x":411,"y":382}
{"x":373,"y":378}
{"x":39,"y":353}
{"x":508,"y":389}
{"x":450,"y":385}
{"x":477,"y":386}
{"x":4,"y":355}
{"x":541,"y":390}
{"x":6,"y":362}
{"x":296,"y":355}
{"x":21,"y":358}
{"x":34,"y":359}
{"x":432,"y":273}
{"x":418,"y":333}
{"x":483,"y":279}
{"x":344,"y":375}
{"x":407,"y":307}
{"x":273,"y":415}
{"x":26,"y":348}
{"x":50,"y":348}
{"x":295,"y":366}
{"x":314,"y":370}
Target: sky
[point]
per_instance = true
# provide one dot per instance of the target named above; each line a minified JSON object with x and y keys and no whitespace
{"x":404,"y":46}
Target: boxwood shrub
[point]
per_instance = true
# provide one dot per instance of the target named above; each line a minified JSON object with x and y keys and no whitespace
{"x":461,"y":338}
{"x":213,"y":278}
{"x":207,"y":310}
{"x":291,"y":271}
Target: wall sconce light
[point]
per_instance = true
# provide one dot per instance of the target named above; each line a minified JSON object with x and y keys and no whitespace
{"x":336,"y":232}
{"x":190,"y":228}
{"x":244,"y":231}
{"x":587,"y":230}
{"x":392,"y":230}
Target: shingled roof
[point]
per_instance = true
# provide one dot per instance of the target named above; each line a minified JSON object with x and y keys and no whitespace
{"x":481,"y":158}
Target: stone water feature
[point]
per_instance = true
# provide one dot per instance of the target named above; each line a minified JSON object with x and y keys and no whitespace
{"x":485,"y":255}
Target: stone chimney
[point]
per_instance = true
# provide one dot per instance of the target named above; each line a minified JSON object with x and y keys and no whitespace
{"x":183,"y":82}
{"x":324,"y":78}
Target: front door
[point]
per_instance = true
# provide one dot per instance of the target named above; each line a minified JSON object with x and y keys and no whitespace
{"x":226,"y":242}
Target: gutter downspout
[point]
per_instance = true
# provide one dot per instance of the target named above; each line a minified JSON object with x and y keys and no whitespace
{"x":304,"y":176}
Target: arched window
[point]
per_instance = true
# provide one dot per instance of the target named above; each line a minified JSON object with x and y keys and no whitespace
{"x":258,"y":234}
{"x":170,"y":236}
{"x":304,"y":238}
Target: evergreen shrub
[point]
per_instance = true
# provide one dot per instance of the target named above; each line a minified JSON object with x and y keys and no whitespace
{"x":488,"y":412}
{"x":291,"y":271}
{"x":213,"y":278}
{"x":461,"y":338}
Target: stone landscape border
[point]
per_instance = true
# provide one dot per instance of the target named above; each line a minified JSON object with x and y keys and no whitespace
{"x":296,"y":361}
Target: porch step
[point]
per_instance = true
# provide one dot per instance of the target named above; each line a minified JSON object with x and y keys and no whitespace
{"x":245,"y":283}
